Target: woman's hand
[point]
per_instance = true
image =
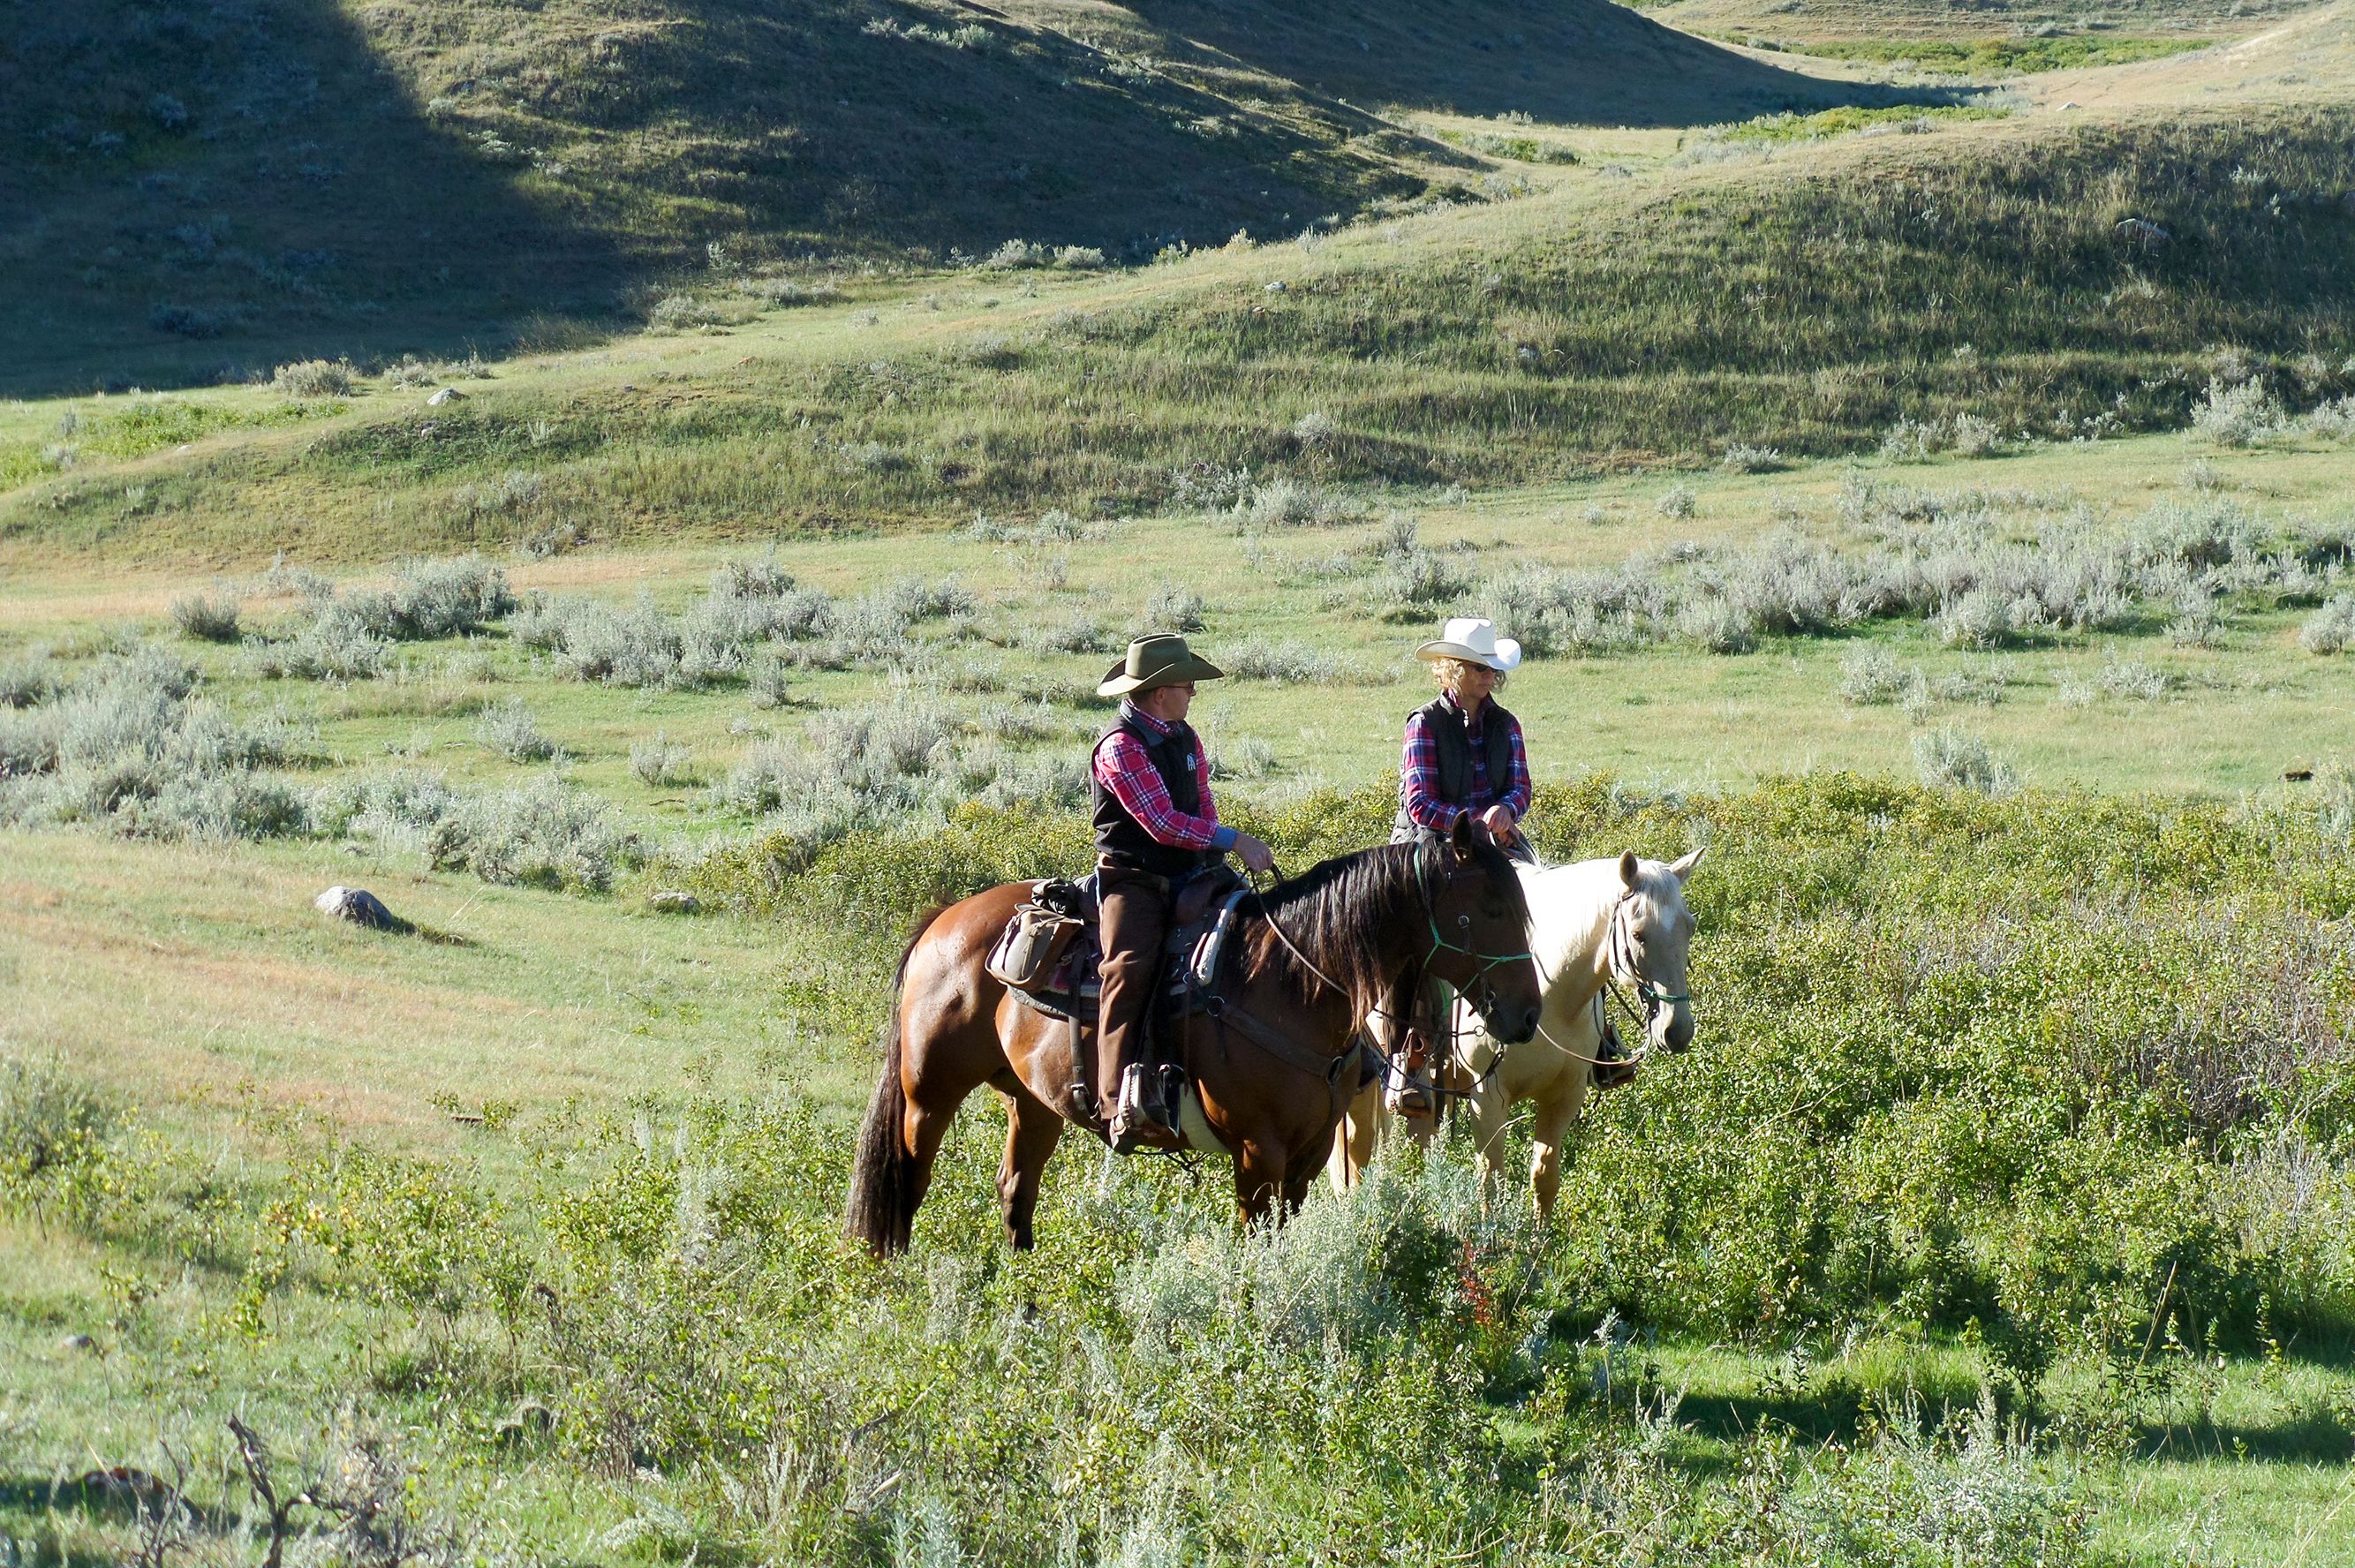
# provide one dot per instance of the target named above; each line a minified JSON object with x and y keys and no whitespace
{"x":1500,"y":823}
{"x":1255,"y":853}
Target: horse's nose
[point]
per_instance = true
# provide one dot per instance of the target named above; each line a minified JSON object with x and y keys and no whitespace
{"x":1525,"y":1025}
{"x":1681,"y":1030}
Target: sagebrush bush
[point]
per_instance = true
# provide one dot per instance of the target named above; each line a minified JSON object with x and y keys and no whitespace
{"x":1288,"y":503}
{"x":543,"y":834}
{"x":204,"y":619}
{"x":1870,"y":677}
{"x":1287,"y":662}
{"x":1173,"y":608}
{"x":1981,"y":618}
{"x":2331,"y":628}
{"x":335,"y":644}
{"x":512,"y":729}
{"x":1742,"y":458}
{"x":314,"y":379}
{"x":1953,"y":758}
{"x":662,"y":761}
{"x":132,"y":746}
{"x":435,"y":598}
{"x":2239,"y":415}
{"x":27,"y":678}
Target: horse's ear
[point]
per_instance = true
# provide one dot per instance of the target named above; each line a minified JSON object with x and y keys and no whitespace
{"x":1630,"y":871}
{"x":1682,"y":866}
{"x":1464,"y":836}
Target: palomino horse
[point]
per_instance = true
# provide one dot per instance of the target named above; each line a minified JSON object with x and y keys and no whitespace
{"x":1592,"y":924}
{"x":1317,"y":954}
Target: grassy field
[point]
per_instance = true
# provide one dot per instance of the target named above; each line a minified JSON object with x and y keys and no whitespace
{"x":1917,"y":453}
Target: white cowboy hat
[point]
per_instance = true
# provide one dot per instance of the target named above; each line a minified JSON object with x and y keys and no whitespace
{"x":1474,"y":641}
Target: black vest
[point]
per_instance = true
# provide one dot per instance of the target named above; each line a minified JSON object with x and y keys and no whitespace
{"x":1120,"y":837}
{"x":1454,"y":753}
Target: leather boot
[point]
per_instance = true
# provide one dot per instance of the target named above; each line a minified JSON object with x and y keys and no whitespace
{"x":1139,"y":1119}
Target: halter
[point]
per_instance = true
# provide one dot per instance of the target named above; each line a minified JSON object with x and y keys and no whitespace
{"x":1625,"y":966}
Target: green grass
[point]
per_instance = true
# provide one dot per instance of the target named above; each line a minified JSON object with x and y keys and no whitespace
{"x":2003,"y":56}
{"x":1974,"y":270}
{"x":272,"y":180}
{"x":1775,"y":129}
{"x":331,"y":1257}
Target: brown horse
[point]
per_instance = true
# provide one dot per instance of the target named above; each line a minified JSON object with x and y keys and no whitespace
{"x":1317,"y":954}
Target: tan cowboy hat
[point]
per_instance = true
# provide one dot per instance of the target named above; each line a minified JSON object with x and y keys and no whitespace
{"x":1474,"y":641}
{"x":1162,"y":659}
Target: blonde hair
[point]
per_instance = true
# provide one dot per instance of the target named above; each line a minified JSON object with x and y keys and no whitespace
{"x":1450,"y":674}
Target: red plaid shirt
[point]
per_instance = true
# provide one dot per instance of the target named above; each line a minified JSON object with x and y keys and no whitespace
{"x":1419,"y":774}
{"x":1125,"y":767}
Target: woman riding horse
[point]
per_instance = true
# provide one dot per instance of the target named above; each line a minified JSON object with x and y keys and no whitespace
{"x":1156,"y":827}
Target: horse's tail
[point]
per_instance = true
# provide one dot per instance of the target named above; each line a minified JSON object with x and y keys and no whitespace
{"x":882,"y":1209}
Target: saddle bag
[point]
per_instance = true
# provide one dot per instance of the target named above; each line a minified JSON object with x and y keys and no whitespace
{"x":1032,"y":944}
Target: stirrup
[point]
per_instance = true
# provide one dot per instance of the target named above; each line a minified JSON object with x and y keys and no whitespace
{"x":1612,"y":1066}
{"x":1135,"y":1124}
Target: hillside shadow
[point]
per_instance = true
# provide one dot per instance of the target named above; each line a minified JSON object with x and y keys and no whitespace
{"x":1577,"y":62}
{"x":923,"y":128}
{"x":196,"y":192}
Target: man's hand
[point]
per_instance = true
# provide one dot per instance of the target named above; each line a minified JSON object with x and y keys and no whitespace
{"x":1255,"y":854}
{"x":1498,"y":820}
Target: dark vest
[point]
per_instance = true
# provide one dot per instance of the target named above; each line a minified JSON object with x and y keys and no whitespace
{"x":1120,"y":837}
{"x":1455,"y":752}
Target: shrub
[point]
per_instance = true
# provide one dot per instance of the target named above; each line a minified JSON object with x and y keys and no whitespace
{"x":510,"y":729}
{"x":1210,"y":488}
{"x":1718,"y":626}
{"x":1981,"y":618}
{"x":29,"y":680}
{"x":662,"y":761}
{"x":544,"y":834}
{"x":336,"y":644}
{"x":1173,"y":609}
{"x":399,"y":809}
{"x":1973,"y":436}
{"x":768,"y":679}
{"x":132,"y":747}
{"x":2331,"y":628}
{"x":431,"y":599}
{"x":1079,"y":258}
{"x":55,"y":1134}
{"x":2239,"y":415}
{"x":1287,"y":503}
{"x":1742,"y":458}
{"x":2133,"y":679}
{"x":1286,"y":662}
{"x":314,"y":379}
{"x":1078,"y":632}
{"x":1017,"y":254}
{"x":1871,"y":676}
{"x":206,"y":620}
{"x":1953,"y":758}
{"x":1676,"y":502}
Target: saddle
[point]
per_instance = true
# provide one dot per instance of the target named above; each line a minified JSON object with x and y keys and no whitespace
{"x":1048,"y":956}
{"x":1048,"y":952}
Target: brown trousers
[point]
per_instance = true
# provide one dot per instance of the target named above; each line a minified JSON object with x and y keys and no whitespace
{"x":1135,"y":906}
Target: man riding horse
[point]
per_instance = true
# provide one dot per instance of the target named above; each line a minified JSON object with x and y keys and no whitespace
{"x":1155,"y":828}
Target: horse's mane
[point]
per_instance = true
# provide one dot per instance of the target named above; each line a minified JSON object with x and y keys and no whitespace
{"x":1331,"y":911}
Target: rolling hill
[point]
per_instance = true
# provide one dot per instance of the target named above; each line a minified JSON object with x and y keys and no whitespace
{"x":204,"y":191}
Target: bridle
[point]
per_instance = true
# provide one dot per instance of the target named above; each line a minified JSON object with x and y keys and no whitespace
{"x":1625,"y":966}
{"x":1476,"y":990}
{"x":1484,"y":963}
